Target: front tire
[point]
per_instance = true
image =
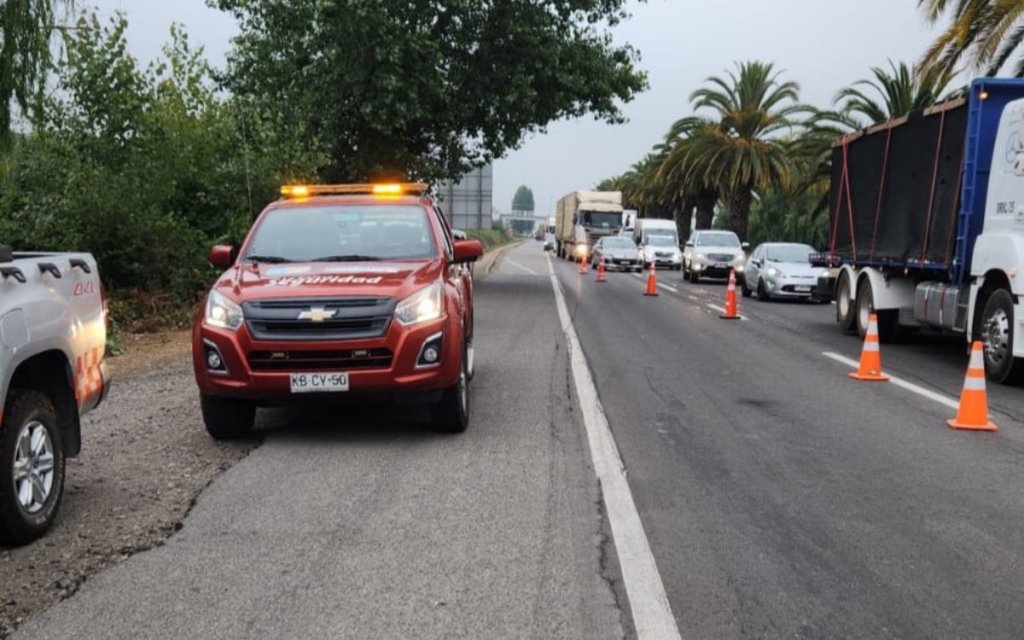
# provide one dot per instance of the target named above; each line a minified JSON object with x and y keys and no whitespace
{"x":227,"y":418}
{"x":762,"y":293}
{"x":31,"y":467}
{"x":997,"y":334}
{"x":451,"y":414}
{"x":745,"y":290}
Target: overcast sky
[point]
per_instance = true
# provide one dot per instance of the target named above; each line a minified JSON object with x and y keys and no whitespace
{"x":822,"y":44}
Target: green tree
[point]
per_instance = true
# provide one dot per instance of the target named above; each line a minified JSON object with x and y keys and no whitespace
{"x":523,"y":200}
{"x":429,"y":88}
{"x":986,"y":32}
{"x":25,"y":26}
{"x":153,"y":166}
{"x":739,"y":147}
{"x":900,"y":90}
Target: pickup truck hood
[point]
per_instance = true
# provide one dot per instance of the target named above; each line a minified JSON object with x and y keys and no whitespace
{"x":328,"y":279}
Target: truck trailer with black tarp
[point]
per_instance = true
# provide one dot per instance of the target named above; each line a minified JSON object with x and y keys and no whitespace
{"x":927,"y":224}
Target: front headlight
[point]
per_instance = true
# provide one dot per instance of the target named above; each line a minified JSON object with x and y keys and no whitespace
{"x":421,"y":306}
{"x":699,"y":256}
{"x":775,"y":273}
{"x":741,"y":256}
{"x":825,"y":274}
{"x":223,"y":312}
{"x":581,"y":249}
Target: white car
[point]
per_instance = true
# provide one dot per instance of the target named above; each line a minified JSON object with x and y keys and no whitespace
{"x":781,"y":270}
{"x":713,"y":254}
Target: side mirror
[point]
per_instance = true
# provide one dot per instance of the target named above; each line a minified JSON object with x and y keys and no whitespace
{"x":222,"y":257}
{"x":689,"y":243}
{"x":468,"y":251}
{"x":745,"y":245}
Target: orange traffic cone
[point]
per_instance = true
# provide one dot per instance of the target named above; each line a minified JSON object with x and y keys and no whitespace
{"x":652,"y":283}
{"x":731,"y":310}
{"x":871,"y":356}
{"x":583,"y":263}
{"x":973,"y":413}
{"x":600,"y":270}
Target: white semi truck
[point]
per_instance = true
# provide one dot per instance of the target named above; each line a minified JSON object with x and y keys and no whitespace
{"x":927,"y":225}
{"x":584,"y":217}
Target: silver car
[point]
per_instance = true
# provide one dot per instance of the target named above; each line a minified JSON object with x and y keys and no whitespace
{"x":780,"y":270}
{"x":618,"y":253}
{"x":713,"y":254}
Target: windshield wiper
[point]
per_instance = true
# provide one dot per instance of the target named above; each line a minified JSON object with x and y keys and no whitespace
{"x":352,"y":257}
{"x":268,"y":259}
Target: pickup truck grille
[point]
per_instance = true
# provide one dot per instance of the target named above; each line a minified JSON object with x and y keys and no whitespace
{"x":721,"y":257}
{"x":342,"y":360}
{"x":333,"y":318}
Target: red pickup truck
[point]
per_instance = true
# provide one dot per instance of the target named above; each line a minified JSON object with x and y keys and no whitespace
{"x":339,"y":291}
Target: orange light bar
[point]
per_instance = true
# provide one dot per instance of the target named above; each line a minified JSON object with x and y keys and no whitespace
{"x":390,"y":189}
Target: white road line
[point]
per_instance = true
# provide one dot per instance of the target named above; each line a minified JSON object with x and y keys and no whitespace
{"x":516,"y":264}
{"x":652,"y":614}
{"x":639,"y":275}
{"x":669,"y":287}
{"x":693,"y":298}
{"x":903,"y":384}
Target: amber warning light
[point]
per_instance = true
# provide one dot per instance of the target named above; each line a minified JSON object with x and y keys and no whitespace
{"x":390,"y":189}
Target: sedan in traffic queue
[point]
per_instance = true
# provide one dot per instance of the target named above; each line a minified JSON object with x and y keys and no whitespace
{"x":617,"y":252}
{"x":662,"y":251}
{"x":781,"y":270}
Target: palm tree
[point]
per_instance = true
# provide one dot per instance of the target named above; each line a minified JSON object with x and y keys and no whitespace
{"x":740,"y":149}
{"x":25,"y":27}
{"x":900,"y":90}
{"x":986,"y":32}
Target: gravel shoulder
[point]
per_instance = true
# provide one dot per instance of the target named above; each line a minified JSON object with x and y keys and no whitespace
{"x":145,"y":457}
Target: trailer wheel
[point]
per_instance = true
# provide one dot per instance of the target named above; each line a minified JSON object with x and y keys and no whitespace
{"x":997,"y":334}
{"x":845,"y":315}
{"x":888,"y":321}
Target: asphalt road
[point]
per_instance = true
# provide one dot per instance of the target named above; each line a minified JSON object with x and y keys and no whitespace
{"x":784,"y":500}
{"x":362,"y":523}
{"x":780,"y":498}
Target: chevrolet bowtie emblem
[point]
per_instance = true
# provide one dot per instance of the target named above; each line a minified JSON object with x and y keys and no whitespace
{"x":317,"y":314}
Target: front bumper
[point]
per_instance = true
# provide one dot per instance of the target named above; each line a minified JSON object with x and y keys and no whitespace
{"x":673,"y":262}
{"x":790,"y":287}
{"x":621,"y":263}
{"x":261,"y":370}
{"x":718,"y":269}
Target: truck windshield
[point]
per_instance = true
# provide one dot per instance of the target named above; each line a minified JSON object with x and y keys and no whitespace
{"x":790,"y":253}
{"x":343,"y":233}
{"x":718,"y":240}
{"x":601,"y":219}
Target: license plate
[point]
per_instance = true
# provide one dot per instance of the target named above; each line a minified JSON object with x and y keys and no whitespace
{"x":721,"y":265}
{"x":319,"y":382}
{"x":802,"y":289}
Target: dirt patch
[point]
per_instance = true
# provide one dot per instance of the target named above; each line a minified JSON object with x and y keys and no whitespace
{"x":145,"y":458}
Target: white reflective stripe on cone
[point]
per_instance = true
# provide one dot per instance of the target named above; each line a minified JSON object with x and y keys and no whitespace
{"x":871,"y":346}
{"x":974,"y":384}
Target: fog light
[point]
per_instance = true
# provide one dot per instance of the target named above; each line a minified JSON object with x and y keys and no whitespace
{"x":430,"y":352}
{"x":214,"y":361}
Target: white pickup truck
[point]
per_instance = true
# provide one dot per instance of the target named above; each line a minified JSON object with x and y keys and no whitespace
{"x":53,"y":334}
